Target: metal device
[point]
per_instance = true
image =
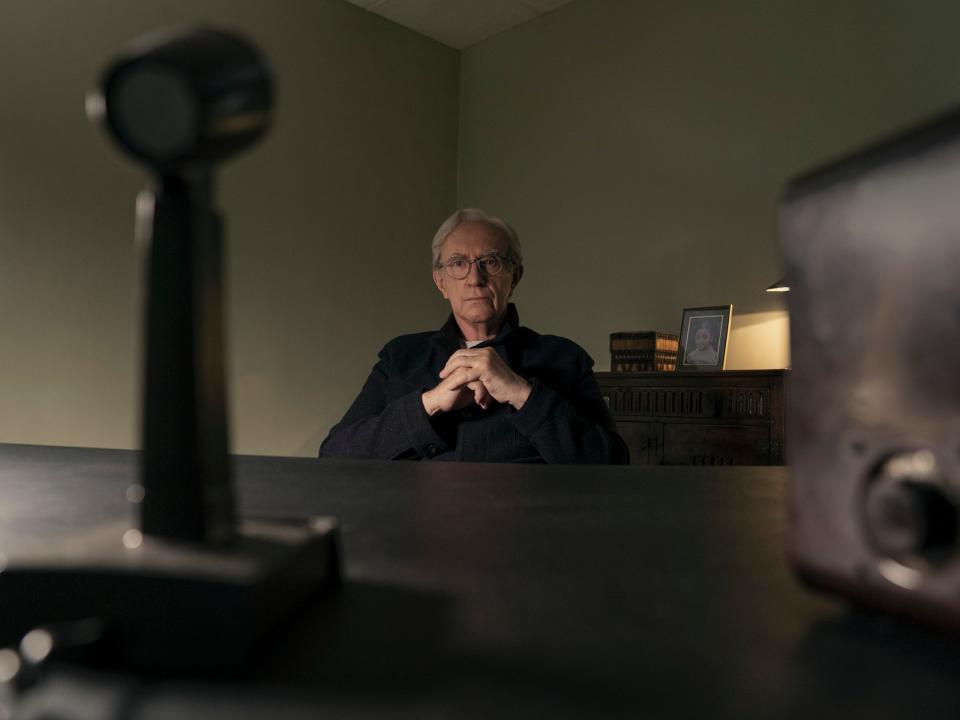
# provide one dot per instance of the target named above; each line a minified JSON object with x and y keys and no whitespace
{"x":872,"y":251}
{"x":188,"y":585}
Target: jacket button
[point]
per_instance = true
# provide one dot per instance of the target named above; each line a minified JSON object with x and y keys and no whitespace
{"x":432,"y":449}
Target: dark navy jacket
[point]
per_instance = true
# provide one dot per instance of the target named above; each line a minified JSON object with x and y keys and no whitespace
{"x":564,"y":420}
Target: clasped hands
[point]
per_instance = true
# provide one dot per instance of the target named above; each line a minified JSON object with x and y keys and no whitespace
{"x":475,"y":376}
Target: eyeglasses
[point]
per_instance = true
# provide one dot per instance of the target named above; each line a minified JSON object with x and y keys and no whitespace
{"x":459,"y":267}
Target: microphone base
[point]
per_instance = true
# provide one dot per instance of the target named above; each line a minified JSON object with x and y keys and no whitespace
{"x":167,"y":605}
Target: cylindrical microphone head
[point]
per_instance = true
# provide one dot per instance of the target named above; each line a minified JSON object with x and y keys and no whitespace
{"x":183,"y":96}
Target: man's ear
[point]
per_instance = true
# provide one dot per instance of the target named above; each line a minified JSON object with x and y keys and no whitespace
{"x":438,"y":281}
{"x":517,"y":274}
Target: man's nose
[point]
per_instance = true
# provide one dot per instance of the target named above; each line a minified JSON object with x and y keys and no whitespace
{"x":475,"y":275}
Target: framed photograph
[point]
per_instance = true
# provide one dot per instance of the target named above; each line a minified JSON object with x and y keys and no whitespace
{"x":703,"y":338}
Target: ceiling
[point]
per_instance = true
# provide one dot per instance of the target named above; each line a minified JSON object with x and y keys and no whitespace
{"x":459,"y":23}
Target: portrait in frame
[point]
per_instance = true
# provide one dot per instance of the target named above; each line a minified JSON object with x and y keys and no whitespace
{"x":704,"y":333}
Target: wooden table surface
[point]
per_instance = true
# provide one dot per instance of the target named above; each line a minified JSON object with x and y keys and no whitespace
{"x":523,"y":591}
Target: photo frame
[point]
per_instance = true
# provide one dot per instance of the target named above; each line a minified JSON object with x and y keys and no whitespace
{"x":704,"y":334}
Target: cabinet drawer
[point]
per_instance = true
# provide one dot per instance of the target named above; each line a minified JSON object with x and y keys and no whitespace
{"x":715,"y":444}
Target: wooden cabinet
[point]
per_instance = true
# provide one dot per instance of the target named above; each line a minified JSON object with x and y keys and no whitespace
{"x":709,"y":418}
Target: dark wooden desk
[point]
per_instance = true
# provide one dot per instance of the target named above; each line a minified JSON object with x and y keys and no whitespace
{"x":734,"y":417}
{"x":493,"y":591}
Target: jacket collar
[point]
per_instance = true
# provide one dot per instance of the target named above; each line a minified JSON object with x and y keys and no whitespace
{"x":449,"y":335}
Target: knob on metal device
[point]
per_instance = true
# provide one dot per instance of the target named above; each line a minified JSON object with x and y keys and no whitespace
{"x":909,"y":513}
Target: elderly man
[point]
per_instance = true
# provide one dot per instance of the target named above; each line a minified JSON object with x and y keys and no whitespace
{"x":482,"y":388}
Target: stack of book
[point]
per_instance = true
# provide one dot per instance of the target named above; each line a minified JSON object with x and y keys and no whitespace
{"x":641,"y":351}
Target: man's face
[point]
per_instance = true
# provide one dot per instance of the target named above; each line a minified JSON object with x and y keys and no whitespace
{"x":477,"y":299}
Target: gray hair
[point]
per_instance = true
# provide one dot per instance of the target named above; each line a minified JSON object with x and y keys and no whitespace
{"x":514,"y":253}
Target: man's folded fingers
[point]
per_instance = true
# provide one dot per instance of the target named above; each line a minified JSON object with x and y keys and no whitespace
{"x":464,"y":358}
{"x":460,"y":376}
{"x":480,"y":394}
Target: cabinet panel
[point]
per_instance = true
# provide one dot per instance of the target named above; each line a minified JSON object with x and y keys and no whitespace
{"x":732,"y":417}
{"x":644,"y":441}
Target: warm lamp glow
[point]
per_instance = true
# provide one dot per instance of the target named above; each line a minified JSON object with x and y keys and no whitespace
{"x":759,"y":341}
{"x":779,"y":286}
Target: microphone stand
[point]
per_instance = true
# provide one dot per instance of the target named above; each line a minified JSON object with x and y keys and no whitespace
{"x":188,"y":586}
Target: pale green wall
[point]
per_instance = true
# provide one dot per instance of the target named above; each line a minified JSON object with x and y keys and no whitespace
{"x":329,"y":219}
{"x":640,"y":146}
